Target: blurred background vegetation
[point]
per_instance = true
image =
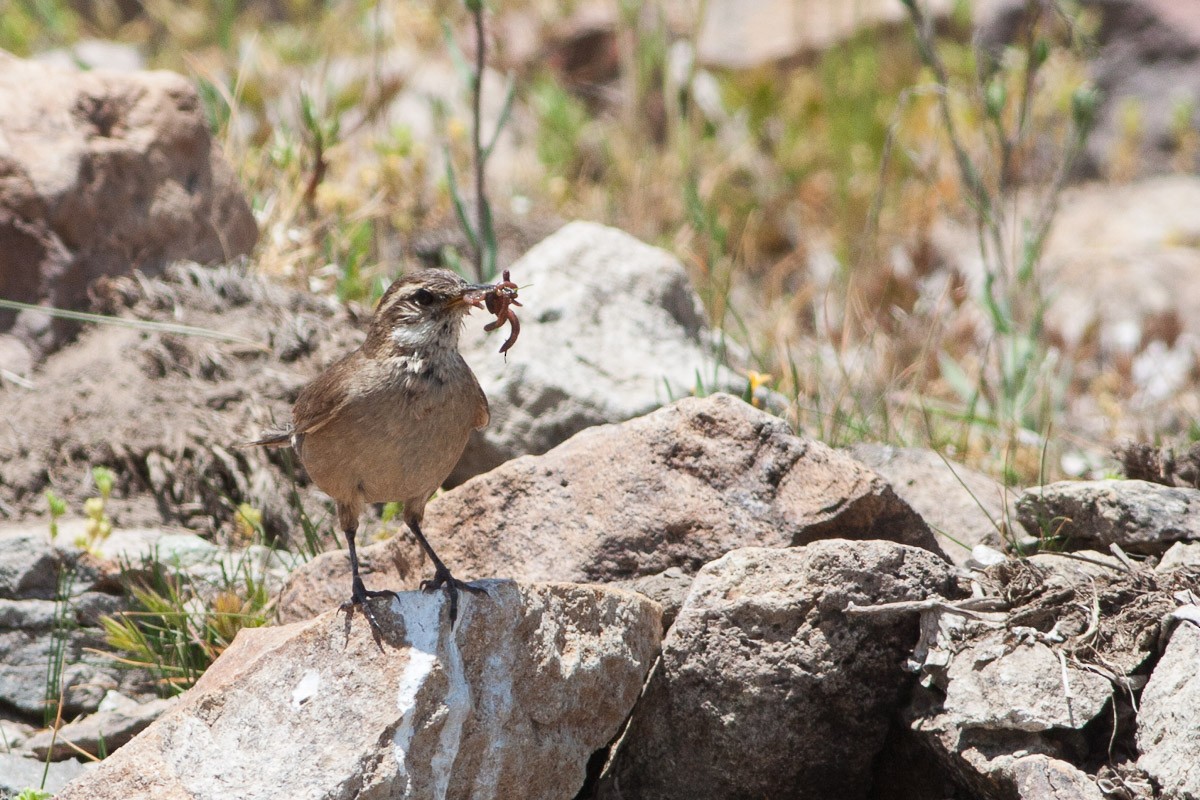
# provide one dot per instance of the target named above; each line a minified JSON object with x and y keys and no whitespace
{"x":803,"y":193}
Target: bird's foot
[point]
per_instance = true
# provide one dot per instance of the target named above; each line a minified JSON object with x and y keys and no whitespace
{"x":442,"y":579}
{"x":359,"y":599}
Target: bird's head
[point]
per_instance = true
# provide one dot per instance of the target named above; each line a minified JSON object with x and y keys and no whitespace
{"x":424,"y":310}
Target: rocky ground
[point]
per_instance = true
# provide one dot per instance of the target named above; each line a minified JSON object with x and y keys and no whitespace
{"x":684,"y":597}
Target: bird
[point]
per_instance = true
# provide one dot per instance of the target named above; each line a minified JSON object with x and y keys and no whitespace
{"x":388,"y":421}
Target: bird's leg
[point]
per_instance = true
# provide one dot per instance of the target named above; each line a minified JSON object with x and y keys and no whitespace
{"x":359,"y":594}
{"x":441,"y":574}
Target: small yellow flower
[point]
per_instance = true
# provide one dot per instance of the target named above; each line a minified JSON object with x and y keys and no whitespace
{"x":757,"y":380}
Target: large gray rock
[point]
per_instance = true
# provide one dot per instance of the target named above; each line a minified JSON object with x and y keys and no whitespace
{"x":1138,"y":516}
{"x":765,"y":687}
{"x":102,"y":172}
{"x":675,"y":488}
{"x":964,"y":507}
{"x":511,"y":703}
{"x":1168,"y":736}
{"x":611,"y":329}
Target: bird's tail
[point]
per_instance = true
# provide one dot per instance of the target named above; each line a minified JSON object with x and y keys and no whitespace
{"x":277,"y":438}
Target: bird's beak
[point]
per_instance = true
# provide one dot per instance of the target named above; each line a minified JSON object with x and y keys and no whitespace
{"x":472,"y":295}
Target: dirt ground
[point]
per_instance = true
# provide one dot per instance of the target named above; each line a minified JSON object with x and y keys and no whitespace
{"x":166,"y":412}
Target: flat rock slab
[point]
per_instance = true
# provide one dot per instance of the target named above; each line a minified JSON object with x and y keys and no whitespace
{"x":765,"y":687}
{"x":512,"y":703}
{"x":1139,"y":516}
{"x":676,"y":488}
{"x":995,"y":685}
{"x":1168,"y":734}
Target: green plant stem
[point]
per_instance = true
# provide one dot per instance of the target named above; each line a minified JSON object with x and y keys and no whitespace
{"x":481,"y":210}
{"x":970,"y":175}
{"x":140,"y":324}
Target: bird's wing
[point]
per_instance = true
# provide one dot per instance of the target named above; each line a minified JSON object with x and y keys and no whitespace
{"x":483,"y":414}
{"x":324,"y":398}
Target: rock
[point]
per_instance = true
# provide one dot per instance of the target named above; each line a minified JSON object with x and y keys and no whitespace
{"x":29,"y":562}
{"x":668,"y":588}
{"x":102,"y":172}
{"x":1079,"y":567}
{"x":1002,"y":765}
{"x":743,"y":34}
{"x":14,"y":734}
{"x":965,"y":508}
{"x":54,"y":595}
{"x":611,"y":329}
{"x":32,"y":633}
{"x":765,"y":687}
{"x":1038,"y":678}
{"x":533,"y":680}
{"x":33,"y":626}
{"x":995,"y":685}
{"x":1037,"y":776}
{"x":1167,"y":735}
{"x":117,"y":720}
{"x":18,"y":773}
{"x":1139,"y":516}
{"x":16,"y":362}
{"x":1181,"y":555}
{"x":675,"y":488}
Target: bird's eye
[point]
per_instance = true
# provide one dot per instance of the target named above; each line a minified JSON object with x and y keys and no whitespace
{"x":423,"y":297}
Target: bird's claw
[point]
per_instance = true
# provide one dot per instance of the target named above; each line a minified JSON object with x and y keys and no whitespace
{"x":360,"y":596}
{"x":442,"y":579}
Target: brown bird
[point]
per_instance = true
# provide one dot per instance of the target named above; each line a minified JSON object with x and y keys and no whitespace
{"x":390,"y":420}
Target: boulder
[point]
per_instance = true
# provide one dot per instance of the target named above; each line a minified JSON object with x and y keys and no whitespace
{"x":102,"y":172}
{"x":510,"y":703}
{"x":1168,"y":737}
{"x":765,"y":687}
{"x":676,"y":488}
{"x":964,"y":507}
{"x":1139,"y":516}
{"x":611,"y":329}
